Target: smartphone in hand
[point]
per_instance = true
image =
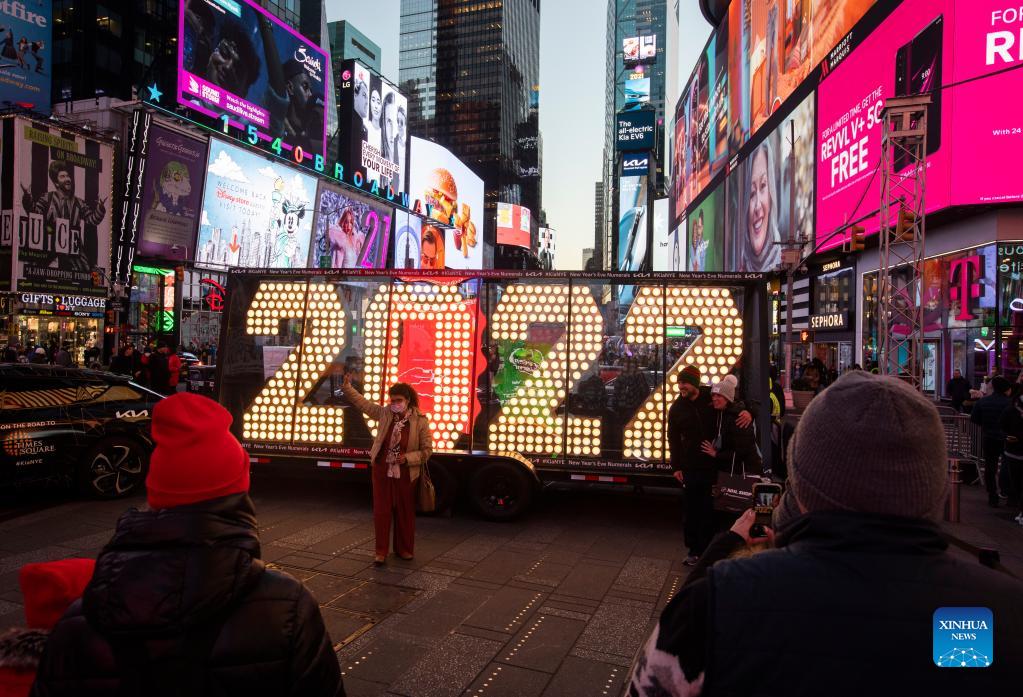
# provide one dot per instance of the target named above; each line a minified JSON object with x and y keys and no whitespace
{"x":765,"y":497}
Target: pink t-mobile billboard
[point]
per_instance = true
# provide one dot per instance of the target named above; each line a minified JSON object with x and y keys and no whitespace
{"x":907,"y":54}
{"x":988,"y":103}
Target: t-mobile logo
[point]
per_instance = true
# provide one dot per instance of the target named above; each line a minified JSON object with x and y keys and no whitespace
{"x":964,"y":282}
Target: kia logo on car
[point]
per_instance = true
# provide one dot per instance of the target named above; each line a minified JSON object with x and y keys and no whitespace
{"x":132,"y":414}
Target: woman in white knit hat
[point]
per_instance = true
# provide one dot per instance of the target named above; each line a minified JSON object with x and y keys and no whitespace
{"x":732,"y":445}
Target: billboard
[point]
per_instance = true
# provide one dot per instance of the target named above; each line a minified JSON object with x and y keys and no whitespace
{"x":637,"y":92}
{"x":171,"y":194}
{"x":635,"y":130}
{"x":408,"y":239}
{"x":706,"y":248}
{"x":632,"y":223}
{"x":669,"y":248}
{"x":987,"y":114}
{"x":374,"y":137}
{"x":350,"y":231}
{"x":771,"y":191}
{"x":256,"y":213}
{"x":453,"y":195}
{"x":639,"y":49}
{"x":513,"y":225}
{"x":25,"y":59}
{"x":907,"y":54}
{"x":244,"y":69}
{"x":61,"y":224}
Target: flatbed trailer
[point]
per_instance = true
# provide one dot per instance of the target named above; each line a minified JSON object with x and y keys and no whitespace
{"x":527,"y":377}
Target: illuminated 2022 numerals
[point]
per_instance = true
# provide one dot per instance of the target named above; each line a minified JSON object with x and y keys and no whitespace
{"x":528,"y":421}
{"x":454,"y":321}
{"x":714,"y":352}
{"x":279,"y":412}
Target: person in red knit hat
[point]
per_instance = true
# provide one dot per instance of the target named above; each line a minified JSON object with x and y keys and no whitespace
{"x":48,"y":589}
{"x":180,"y":602}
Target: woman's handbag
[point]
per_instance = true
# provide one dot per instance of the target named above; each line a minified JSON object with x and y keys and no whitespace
{"x":426,"y":495}
{"x":733,"y":492}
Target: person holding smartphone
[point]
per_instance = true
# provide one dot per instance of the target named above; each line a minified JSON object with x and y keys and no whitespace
{"x":859,"y":567}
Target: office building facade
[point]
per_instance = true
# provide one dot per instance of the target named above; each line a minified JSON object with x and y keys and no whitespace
{"x":471,"y":73}
{"x":347,"y":43}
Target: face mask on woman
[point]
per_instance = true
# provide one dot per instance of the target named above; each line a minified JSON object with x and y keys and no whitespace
{"x":398,"y":408}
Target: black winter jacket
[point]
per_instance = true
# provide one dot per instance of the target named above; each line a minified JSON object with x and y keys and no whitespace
{"x":987,"y":412}
{"x":844,"y":607}
{"x":1012,"y":427}
{"x":180,"y":603}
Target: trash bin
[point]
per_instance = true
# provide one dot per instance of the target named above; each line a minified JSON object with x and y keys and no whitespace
{"x":201,"y":379}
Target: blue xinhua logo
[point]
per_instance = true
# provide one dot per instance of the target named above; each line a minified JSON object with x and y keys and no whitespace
{"x":964,"y":637}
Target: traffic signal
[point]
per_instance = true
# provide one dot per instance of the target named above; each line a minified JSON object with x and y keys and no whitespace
{"x":97,"y":278}
{"x":179,"y":273}
{"x":856,"y":235}
{"x":904,"y":226}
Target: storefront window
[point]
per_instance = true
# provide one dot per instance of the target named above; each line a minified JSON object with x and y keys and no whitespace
{"x":203,"y":295}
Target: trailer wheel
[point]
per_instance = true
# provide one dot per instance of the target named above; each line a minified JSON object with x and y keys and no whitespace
{"x":500,"y":491}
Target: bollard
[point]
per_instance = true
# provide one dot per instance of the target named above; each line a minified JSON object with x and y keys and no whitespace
{"x":954,"y":480}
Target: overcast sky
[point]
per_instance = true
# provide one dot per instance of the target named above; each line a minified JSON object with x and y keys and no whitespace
{"x":572,"y":74}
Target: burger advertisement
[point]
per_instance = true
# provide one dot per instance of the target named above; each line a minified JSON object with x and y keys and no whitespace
{"x":453,"y":195}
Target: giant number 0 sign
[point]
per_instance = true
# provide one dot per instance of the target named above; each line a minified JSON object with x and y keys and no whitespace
{"x":532,"y":419}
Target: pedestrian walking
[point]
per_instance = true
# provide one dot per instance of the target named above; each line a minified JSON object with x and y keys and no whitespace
{"x":47,"y":590}
{"x":402,"y":446}
{"x":180,"y":602}
{"x":62,"y":357}
{"x":1012,"y":457}
{"x":987,"y":412}
{"x":162,"y":377}
{"x":855,"y":519}
{"x":39,"y":356}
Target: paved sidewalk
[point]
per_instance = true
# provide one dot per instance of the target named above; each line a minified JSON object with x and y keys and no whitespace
{"x":556,"y":604}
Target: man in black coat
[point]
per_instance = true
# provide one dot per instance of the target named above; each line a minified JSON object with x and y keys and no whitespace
{"x":846,"y":605}
{"x":180,"y":602}
{"x":987,"y":413}
{"x":958,"y":389}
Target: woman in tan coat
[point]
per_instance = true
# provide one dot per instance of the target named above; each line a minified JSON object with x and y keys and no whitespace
{"x":402,"y":446}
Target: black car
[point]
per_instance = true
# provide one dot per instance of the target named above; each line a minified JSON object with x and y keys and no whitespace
{"x":84,"y":426}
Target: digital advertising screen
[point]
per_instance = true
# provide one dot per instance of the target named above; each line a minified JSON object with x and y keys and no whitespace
{"x":638,"y":50}
{"x":513,"y":225}
{"x":62,"y":184}
{"x":635,"y":130}
{"x":762,"y":190}
{"x":637,"y":91}
{"x":175,"y":168}
{"x":987,"y":113}
{"x":25,"y":55}
{"x":669,"y":251}
{"x":632,"y":222}
{"x":374,"y":132}
{"x":455,"y":196}
{"x":252,"y":77}
{"x":706,"y":226}
{"x":256,"y":213}
{"x":350,"y":231}
{"x":408,"y":238}
{"x":910,"y":53}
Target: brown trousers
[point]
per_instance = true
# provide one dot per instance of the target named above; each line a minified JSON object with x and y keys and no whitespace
{"x":392,"y":498}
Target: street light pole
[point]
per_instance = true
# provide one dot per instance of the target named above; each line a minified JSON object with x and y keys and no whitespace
{"x":790,"y":258}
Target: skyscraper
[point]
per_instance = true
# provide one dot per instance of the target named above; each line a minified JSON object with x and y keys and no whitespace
{"x":627,"y":86}
{"x":471,"y":73}
{"x":598,"y":220}
{"x":347,"y":42}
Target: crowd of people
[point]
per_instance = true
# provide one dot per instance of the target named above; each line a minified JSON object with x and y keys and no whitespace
{"x":52,"y":353}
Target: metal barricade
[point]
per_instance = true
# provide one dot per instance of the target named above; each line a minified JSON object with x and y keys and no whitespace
{"x":963,"y":444}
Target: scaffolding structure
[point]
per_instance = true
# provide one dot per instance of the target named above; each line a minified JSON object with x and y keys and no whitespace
{"x":900,"y":313}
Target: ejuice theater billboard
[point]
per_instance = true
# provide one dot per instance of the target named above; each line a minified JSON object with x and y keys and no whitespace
{"x":175,"y":168}
{"x":374,"y":128}
{"x":350,"y":232}
{"x":453,"y":195}
{"x":513,"y":225}
{"x":25,"y":60}
{"x":57,"y":228}
{"x":245,"y":69}
{"x":907,"y":54}
{"x":256,"y":213}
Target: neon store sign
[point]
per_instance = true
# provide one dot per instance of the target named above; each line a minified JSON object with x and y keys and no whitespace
{"x":529,"y":421}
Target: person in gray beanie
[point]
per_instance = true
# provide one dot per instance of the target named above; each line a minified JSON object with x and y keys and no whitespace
{"x":858,"y":551}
